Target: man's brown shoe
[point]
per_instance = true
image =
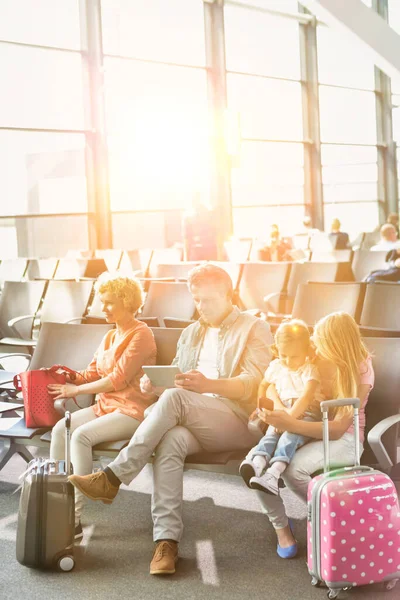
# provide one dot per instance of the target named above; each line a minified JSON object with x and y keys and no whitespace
{"x":164,"y":558}
{"x":95,"y":486}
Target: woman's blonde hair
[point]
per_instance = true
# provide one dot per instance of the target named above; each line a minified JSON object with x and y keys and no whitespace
{"x":128,"y":289}
{"x":293,"y":331}
{"x":337,"y":339}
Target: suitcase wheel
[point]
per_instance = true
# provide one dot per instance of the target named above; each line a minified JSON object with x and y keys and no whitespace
{"x":333,"y":594}
{"x":389,"y":585}
{"x":315,"y":582}
{"x":66,"y":563}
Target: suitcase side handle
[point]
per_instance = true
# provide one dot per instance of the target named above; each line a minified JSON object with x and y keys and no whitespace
{"x":325,"y":406}
{"x":68,"y":442}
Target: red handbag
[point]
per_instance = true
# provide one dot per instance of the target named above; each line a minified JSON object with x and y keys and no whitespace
{"x":38,"y":403}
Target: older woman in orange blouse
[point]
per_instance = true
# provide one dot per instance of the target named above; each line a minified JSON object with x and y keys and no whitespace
{"x":114,"y":376}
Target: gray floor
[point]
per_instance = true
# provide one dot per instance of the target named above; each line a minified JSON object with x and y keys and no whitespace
{"x":228,"y":551}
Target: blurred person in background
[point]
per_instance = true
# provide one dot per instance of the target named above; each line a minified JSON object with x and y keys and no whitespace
{"x":393,"y":219}
{"x":338,"y":239}
{"x":389,"y":240}
{"x":277,"y":248}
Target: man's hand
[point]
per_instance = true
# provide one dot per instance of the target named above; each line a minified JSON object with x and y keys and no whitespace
{"x":194,"y":381}
{"x":67,"y":390}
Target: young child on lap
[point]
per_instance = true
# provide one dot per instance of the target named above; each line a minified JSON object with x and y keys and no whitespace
{"x":296,"y":382}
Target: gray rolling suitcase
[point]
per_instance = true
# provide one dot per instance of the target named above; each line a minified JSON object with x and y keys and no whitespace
{"x":46,"y":518}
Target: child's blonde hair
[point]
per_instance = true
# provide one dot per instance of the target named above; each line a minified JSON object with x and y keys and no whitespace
{"x":293,"y":331}
{"x":337,"y":339}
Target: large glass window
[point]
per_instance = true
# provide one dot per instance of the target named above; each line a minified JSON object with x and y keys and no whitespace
{"x":42,"y":22}
{"x":268,"y":109}
{"x":42,"y":173}
{"x":344,"y":63}
{"x":350,"y":183}
{"x":158,"y":134}
{"x":256,"y":222}
{"x":349,"y":173}
{"x":347,"y":116}
{"x":268,"y":174}
{"x":40,"y":88}
{"x":171,"y":31}
{"x":274,"y":46}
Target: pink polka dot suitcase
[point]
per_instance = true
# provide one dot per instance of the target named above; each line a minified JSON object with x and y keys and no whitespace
{"x":353,"y":531}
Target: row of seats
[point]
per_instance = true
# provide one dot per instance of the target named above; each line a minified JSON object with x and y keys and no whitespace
{"x":142,"y":262}
{"x":74,"y":345}
{"x":24,"y":305}
{"x":374,"y":306}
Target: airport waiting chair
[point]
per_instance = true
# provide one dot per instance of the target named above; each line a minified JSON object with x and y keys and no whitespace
{"x":380,"y":316}
{"x":80,"y":268}
{"x":168,"y":299}
{"x":19,"y":298}
{"x":366,"y":261}
{"x":166,"y":341}
{"x":302,"y":272}
{"x":112,"y":257}
{"x":233,"y":269}
{"x":176,"y":271}
{"x":238,"y":251}
{"x":136,"y":261}
{"x":258,"y":280}
{"x":79,"y":254}
{"x":383,"y":407}
{"x":316,"y":300}
{"x":12,"y":269}
{"x":41,"y":268}
{"x":170,"y":322}
{"x":58,"y":343}
{"x":370,"y":238}
{"x":163,"y":256}
{"x":64,"y":301}
{"x":338,"y":256}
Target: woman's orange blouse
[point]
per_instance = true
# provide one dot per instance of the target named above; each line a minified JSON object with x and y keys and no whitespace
{"x":121,"y":361}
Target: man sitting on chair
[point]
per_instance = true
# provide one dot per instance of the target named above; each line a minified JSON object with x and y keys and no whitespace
{"x":222,"y":358}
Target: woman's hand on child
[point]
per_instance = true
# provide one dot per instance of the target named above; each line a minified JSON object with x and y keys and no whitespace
{"x":279,"y":419}
{"x":66,"y":390}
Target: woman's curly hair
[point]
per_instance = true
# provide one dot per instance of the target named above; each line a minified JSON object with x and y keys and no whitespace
{"x":128,"y":289}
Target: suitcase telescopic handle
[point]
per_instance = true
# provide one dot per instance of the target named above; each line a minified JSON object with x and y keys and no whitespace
{"x":68,"y":442}
{"x":325,"y":406}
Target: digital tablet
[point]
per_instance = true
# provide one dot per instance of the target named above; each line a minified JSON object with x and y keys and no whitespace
{"x":162,"y":375}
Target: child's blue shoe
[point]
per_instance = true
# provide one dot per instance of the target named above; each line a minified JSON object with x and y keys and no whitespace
{"x":290,"y":551}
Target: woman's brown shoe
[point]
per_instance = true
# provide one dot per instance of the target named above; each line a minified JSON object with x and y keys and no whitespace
{"x":164,"y":558}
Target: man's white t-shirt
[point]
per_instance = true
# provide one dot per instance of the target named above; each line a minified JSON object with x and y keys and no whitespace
{"x":207,"y":363}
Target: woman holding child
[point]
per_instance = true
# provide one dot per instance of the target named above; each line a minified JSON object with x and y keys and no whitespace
{"x":346,"y":371}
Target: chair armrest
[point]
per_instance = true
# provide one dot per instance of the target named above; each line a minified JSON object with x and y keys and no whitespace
{"x":14,"y":354}
{"x":17,"y":342}
{"x":270,"y":297}
{"x":375,"y":440}
{"x":73,"y":320}
{"x":13,"y":322}
{"x":368,"y":331}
